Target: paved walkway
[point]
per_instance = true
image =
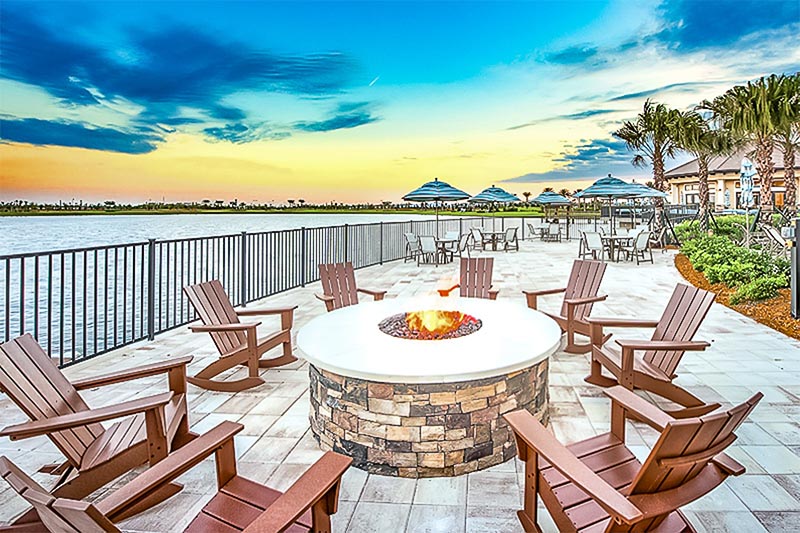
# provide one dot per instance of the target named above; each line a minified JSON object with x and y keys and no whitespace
{"x":276,"y":445}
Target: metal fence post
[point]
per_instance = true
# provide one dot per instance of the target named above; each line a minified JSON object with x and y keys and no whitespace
{"x":243,"y":271}
{"x":151,"y":289}
{"x":381,"y":241}
{"x":303,"y":257}
{"x":346,"y":246}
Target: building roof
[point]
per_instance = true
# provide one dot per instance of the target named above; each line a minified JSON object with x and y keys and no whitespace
{"x":725,"y":164}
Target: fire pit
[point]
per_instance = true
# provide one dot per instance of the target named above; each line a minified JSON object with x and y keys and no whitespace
{"x":416,"y":387}
{"x":433,"y":324}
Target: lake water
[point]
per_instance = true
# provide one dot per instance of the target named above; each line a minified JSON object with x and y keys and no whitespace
{"x":42,"y":233}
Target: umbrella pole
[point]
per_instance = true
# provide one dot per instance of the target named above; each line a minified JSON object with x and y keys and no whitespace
{"x":436,"y":206}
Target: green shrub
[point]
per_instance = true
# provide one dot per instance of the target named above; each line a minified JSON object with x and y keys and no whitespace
{"x":759,"y":289}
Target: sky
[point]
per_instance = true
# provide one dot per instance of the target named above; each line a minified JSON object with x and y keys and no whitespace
{"x":354,"y":101}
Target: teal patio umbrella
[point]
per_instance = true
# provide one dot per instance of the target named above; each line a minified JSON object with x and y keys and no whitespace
{"x":609,"y":188}
{"x":493,"y":195}
{"x":436,"y":191}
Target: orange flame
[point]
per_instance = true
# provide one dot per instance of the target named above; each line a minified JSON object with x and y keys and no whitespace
{"x":434,"y":322}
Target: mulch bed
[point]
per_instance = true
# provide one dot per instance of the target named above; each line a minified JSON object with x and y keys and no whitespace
{"x":774,"y":313}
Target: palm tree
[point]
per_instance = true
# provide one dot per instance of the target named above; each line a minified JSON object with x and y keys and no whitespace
{"x":547,"y":189}
{"x":699,"y":138}
{"x":653,"y":137}
{"x":788,"y":138}
{"x":755,"y":112}
{"x":564,"y":193}
{"x":527,"y":196}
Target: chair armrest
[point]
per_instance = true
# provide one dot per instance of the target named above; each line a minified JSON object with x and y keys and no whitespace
{"x":644,"y":410}
{"x":663,"y":345}
{"x":83,"y":418}
{"x":493,"y":294}
{"x":324,"y":297}
{"x":378,"y":295}
{"x":581,"y":301}
{"x":544,"y":292}
{"x":266,"y":311}
{"x":133,"y":373}
{"x":314,"y":485}
{"x":212,"y":328}
{"x":446,"y":292}
{"x":169,"y":468}
{"x":534,"y":434}
{"x":622,"y":322}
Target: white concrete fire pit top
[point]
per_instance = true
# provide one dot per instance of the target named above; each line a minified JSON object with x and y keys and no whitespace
{"x":348,"y":342}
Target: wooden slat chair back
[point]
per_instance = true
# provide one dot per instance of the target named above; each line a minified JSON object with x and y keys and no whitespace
{"x":339,"y":281}
{"x":475,"y":280}
{"x":598,"y":484}
{"x":685,"y":312}
{"x":34,"y":382}
{"x":55,"y":514}
{"x":584,"y":282}
{"x":214,"y":308}
{"x":580,"y":295}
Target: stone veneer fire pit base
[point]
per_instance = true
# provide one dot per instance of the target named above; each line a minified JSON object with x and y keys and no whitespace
{"x":424,"y":429}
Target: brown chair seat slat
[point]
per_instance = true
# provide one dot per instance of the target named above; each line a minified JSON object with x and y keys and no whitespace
{"x":614,"y":356}
{"x":257,"y":495}
{"x":204,"y":523}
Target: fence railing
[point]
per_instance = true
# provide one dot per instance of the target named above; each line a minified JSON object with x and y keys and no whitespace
{"x":83,"y":302}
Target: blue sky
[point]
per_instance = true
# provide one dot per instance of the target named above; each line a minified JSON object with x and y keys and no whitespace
{"x":477,"y":92}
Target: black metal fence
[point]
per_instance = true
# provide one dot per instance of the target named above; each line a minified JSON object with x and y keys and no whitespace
{"x":83,"y":302}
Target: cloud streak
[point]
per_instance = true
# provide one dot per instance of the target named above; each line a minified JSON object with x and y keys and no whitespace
{"x":76,"y":135}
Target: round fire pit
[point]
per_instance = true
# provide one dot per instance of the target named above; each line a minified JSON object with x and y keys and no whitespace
{"x":416,"y":387}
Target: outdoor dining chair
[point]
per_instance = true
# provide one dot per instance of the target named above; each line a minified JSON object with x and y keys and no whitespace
{"x":650,"y":365}
{"x":639,"y":248}
{"x":238,"y":505}
{"x":339,"y":287}
{"x":237,"y":342}
{"x":148,"y":427}
{"x":598,"y":484}
{"x":591,"y":245}
{"x":510,"y":239}
{"x":479,"y":240}
{"x":552,"y":233}
{"x":412,"y":247}
{"x":431,"y":253}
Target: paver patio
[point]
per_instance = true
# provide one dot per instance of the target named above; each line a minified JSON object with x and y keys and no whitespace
{"x":276,"y":445}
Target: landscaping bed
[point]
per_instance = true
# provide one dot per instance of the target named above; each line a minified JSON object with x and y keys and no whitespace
{"x":773,"y":312}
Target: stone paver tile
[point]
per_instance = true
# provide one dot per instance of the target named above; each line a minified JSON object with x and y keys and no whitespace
{"x":775,"y":459}
{"x":762,"y":493}
{"x":721,"y":499}
{"x":289,"y":426}
{"x":389,"y":489}
{"x":493,"y":489}
{"x":341,"y":520}
{"x":780,"y":522}
{"x":272,"y":406}
{"x":372,"y":517}
{"x":210,"y":421}
{"x":721,"y":521}
{"x":441,"y":491}
{"x":257,"y":424}
{"x":306,"y":452}
{"x":353,"y":482}
{"x":496,"y":520}
{"x":178,"y":512}
{"x":270,"y":450}
{"x":285,"y":475}
{"x":785,"y":432}
{"x":791,"y":483}
{"x":437,"y":519}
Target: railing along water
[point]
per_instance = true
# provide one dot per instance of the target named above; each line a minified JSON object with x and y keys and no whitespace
{"x":83,"y":302}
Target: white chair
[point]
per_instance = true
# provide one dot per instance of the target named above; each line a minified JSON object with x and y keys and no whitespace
{"x":463,"y":245}
{"x":553,"y":233}
{"x":412,"y":247}
{"x":429,"y":250}
{"x":510,"y":239}
{"x":537,"y":227}
{"x":592,"y":245}
{"x":478,"y":241}
{"x":639,"y":248}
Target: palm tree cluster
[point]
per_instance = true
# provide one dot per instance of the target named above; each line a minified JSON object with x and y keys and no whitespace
{"x":761,"y":115}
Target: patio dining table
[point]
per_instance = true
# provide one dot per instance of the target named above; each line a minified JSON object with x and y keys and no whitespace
{"x":495,"y":237}
{"x":443,"y":246}
{"x":613,"y":243}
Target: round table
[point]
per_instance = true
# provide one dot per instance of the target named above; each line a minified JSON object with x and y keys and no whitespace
{"x":419,"y":408}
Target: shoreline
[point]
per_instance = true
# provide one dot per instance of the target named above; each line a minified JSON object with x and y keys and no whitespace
{"x":525,"y":212}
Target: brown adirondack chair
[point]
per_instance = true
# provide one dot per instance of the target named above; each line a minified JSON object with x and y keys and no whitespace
{"x":580,"y":294}
{"x":239,"y":505}
{"x":655,"y":369}
{"x":339,"y":287}
{"x":597,"y":484}
{"x":95,"y":455}
{"x":237,"y":342}
{"x":475,"y":280}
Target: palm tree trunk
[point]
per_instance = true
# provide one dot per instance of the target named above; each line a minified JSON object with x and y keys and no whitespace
{"x":702,"y":189}
{"x":658,"y":183}
{"x":765,"y":170}
{"x":789,"y":181}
